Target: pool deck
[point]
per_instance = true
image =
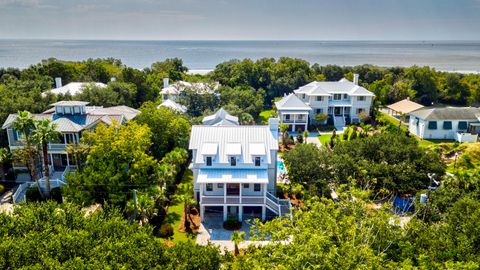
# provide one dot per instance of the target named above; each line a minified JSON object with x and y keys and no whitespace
{"x":282,"y":178}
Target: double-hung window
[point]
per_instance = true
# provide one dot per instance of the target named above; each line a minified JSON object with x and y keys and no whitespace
{"x":209,"y":161}
{"x":233,"y":161}
{"x":447,"y":125}
{"x":257,"y":161}
{"x":432,"y":125}
{"x":257,"y":187}
{"x":209,"y":186}
{"x":361,"y":98}
{"x":319,"y":98}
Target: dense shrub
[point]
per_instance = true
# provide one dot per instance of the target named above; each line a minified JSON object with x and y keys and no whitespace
{"x":165,"y":231}
{"x":232,"y":224}
{"x":2,"y":189}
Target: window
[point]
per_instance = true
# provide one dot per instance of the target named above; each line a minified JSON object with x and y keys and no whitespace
{"x":447,"y":125}
{"x":257,"y":161}
{"x":319,"y":98}
{"x":76,"y":109}
{"x":220,"y":185}
{"x":68,"y":110}
{"x":287,"y":116}
{"x":233,"y":161}
{"x":361,"y":98}
{"x":257,"y":187}
{"x":319,"y":111}
{"x":337,"y":96}
{"x":345,"y":96}
{"x":246,"y":185}
{"x":303,"y":96}
{"x":462,"y":125}
{"x":432,"y":124}
{"x":209,"y":186}
{"x":360,"y":110}
{"x":209,"y":161}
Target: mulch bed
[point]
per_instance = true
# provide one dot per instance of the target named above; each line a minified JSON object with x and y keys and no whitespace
{"x":194,"y":219}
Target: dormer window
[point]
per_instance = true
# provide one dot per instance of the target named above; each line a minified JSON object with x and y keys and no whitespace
{"x":361,"y":98}
{"x":257,"y":161}
{"x":233,"y":161}
{"x":209,"y":161}
{"x":319,"y":98}
{"x":337,"y":96}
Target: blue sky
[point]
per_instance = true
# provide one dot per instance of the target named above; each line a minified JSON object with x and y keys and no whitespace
{"x":242,"y":19}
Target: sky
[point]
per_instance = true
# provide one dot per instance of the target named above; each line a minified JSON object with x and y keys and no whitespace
{"x":241,"y":19}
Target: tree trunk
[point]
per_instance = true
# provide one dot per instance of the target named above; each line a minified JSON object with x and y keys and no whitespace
{"x":186,"y":222}
{"x":2,"y":173}
{"x":33,"y":167}
{"x":46,"y":169}
{"x":236,"y":251}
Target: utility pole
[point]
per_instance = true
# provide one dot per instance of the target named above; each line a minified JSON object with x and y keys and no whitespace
{"x":134,"y":204}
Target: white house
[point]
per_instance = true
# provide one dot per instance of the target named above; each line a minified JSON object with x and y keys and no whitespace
{"x":220,"y":118}
{"x":173,"y":91}
{"x":72,"y":88}
{"x":71,"y":119}
{"x":234,"y":169}
{"x":456,"y":123}
{"x":342,"y":101}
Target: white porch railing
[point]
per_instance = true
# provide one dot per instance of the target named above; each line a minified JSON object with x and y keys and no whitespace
{"x":220,"y":200}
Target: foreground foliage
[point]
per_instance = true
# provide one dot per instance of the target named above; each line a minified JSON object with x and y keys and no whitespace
{"x":62,"y":236}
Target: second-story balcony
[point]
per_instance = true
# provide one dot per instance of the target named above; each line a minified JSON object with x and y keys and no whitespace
{"x":57,"y":147}
{"x":336,"y":103}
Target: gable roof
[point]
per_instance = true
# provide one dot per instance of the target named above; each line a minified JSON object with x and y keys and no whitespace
{"x":220,"y":118}
{"x":79,"y":122}
{"x":448,"y":113}
{"x":247,"y":138}
{"x":292,"y":102}
{"x":73,"y":88}
{"x":343,"y":86}
{"x":168,"y":103}
{"x":405,"y":106}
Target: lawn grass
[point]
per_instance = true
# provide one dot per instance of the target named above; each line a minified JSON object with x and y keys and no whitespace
{"x":263,"y":117}
{"x":430,"y":142}
{"x":175,"y":212}
{"x":324,"y":138}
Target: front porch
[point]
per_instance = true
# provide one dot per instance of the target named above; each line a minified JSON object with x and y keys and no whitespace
{"x":295,"y":120}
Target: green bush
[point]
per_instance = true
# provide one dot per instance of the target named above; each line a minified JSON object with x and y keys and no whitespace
{"x":165,"y":231}
{"x":2,"y":189}
{"x":33,"y":195}
{"x":232,"y":224}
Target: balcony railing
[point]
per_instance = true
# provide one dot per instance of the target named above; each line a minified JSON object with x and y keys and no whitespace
{"x":232,"y":199}
{"x":291,"y":121}
{"x":57,"y":146}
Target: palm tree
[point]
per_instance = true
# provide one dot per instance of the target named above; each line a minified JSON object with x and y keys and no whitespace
{"x":43,"y":134}
{"x":24,"y":123}
{"x":4,"y":158}
{"x":185,"y":196}
{"x":237,"y":238}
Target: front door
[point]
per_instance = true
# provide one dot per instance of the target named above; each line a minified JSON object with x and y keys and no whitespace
{"x":337,"y":111}
{"x":233,"y":189}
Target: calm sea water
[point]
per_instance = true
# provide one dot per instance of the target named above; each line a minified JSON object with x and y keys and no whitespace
{"x":444,"y":55}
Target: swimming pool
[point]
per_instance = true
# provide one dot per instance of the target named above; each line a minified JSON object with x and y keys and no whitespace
{"x":280,"y":167}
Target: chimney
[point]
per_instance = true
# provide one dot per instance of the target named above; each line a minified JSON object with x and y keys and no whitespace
{"x":58,"y":82}
{"x":165,"y":82}
{"x":355,"y":79}
{"x":273,"y":124}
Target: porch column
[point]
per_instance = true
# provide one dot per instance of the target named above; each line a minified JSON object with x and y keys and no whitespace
{"x":225,"y":213}
{"x":240,"y":213}
{"x":202,"y":212}
{"x":264,"y":193}
{"x":201,"y":193}
{"x":241,"y":187}
{"x":264,"y":213}
{"x":51,"y":159}
{"x":68,"y":161}
{"x":225,"y":193}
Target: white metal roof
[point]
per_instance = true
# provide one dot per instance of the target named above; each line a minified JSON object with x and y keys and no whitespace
{"x":250,"y":176}
{"x":246,"y":136}
{"x":233,"y":149}
{"x":209,"y":149}
{"x":168,"y":103}
{"x":257,"y":149}
{"x":343,"y":86}
{"x":74,"y":88}
{"x":292,"y":102}
{"x":220,"y":118}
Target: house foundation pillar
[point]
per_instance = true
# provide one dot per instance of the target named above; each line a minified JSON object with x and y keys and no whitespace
{"x":264,"y":213}
{"x":225,"y":214}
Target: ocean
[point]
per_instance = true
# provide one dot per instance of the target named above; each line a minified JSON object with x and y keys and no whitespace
{"x":460,"y":56}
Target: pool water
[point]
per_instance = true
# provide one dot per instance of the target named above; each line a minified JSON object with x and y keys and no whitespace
{"x":280,"y":167}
